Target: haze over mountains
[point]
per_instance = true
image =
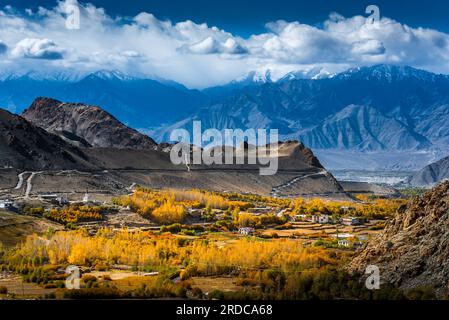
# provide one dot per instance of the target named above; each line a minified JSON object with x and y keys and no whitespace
{"x":431,"y":174}
{"x":367,"y":111}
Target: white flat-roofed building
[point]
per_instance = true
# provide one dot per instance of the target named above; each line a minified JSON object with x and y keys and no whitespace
{"x":7,"y":204}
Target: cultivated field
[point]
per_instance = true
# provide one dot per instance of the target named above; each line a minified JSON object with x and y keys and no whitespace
{"x":171,"y":243}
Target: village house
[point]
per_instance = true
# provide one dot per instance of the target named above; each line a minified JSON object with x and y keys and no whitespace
{"x":352,"y":221}
{"x":48,"y":197}
{"x":62,"y":200}
{"x":300,"y":217}
{"x":88,"y":200}
{"x":260,"y":210}
{"x":194,"y":212}
{"x":281,"y":213}
{"x":343,"y":239}
{"x":247,"y":231}
{"x":343,"y":243}
{"x":321,"y":219}
{"x":350,"y":240}
{"x":7,"y":204}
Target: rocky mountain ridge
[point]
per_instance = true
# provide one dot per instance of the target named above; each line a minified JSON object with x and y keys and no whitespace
{"x":431,"y":174}
{"x":85,"y":124}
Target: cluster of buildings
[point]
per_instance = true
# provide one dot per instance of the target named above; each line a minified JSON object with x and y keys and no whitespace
{"x":325,"y":219}
{"x":63,"y":200}
{"x":56,"y":199}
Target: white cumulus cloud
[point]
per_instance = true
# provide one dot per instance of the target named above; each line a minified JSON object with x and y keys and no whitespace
{"x":212,"y":46}
{"x":37,"y":49}
{"x":200,"y":55}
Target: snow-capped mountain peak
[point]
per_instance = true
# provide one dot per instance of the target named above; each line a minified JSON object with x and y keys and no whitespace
{"x":314,"y":73}
{"x":254,"y":77}
{"x":111,"y":75}
{"x":268,"y":76}
{"x":387,"y":73}
{"x":66,"y":76}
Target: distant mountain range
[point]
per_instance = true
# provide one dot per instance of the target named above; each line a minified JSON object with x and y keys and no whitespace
{"x":368,"y":109}
{"x":381,"y":108}
{"x":431,"y":174}
{"x":141,"y":103}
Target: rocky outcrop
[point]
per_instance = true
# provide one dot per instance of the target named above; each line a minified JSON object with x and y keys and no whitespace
{"x":413,"y":250}
{"x":82,"y":123}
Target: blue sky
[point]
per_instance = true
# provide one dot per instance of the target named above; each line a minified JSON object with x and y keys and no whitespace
{"x":204,"y":43}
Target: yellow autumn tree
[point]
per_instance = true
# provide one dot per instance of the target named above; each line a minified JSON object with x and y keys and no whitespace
{"x":169,"y":213}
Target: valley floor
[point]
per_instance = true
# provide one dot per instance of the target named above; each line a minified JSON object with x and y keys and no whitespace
{"x":133,"y":242}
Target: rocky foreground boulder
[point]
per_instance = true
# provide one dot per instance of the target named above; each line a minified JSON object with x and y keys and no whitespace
{"x":413,"y":250}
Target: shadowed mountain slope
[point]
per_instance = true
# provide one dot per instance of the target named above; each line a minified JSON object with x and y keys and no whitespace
{"x":90,"y":123}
